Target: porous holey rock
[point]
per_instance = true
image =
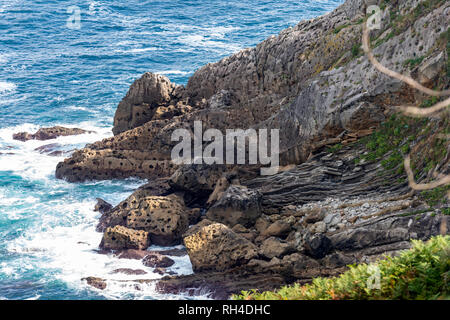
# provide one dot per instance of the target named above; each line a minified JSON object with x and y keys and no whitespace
{"x":216,"y":247}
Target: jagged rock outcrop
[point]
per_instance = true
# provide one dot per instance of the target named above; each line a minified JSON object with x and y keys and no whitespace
{"x":146,"y":97}
{"x":237,"y":205}
{"x":309,"y":81}
{"x":102,"y":206}
{"x":49,"y":133}
{"x":119,"y":237}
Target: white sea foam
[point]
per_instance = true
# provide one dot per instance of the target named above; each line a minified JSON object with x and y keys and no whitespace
{"x":70,"y":251}
{"x":173,"y":72}
{"x":62,"y":238}
{"x":23,"y":159}
{"x":139,"y":50}
{"x":7,"y":86}
{"x":198,"y":40}
{"x":77,"y":108}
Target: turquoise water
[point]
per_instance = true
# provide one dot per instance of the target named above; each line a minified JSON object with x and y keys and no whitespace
{"x":53,"y":75}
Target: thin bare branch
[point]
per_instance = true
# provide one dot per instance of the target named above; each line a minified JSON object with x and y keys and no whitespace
{"x":423,"y":186}
{"x":413,"y":83}
{"x":422,"y":112}
{"x":411,"y":110}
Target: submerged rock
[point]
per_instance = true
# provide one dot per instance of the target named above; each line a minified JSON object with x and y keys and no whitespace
{"x":49,"y":133}
{"x":95,"y":282}
{"x":132,"y":254}
{"x":156,"y":260}
{"x":173,"y":252}
{"x":129,"y":271}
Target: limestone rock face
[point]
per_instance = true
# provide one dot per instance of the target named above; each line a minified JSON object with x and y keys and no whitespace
{"x":216,"y":247}
{"x":302,"y":82}
{"x":431,"y":68}
{"x":145,"y":95}
{"x":353,"y":96}
{"x":118,"y":237}
{"x":237,"y":205}
{"x":49,"y":133}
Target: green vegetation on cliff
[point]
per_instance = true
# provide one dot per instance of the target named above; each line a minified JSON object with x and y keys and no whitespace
{"x":422,"y":272}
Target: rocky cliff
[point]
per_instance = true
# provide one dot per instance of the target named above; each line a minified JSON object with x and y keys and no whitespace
{"x":342,"y":195}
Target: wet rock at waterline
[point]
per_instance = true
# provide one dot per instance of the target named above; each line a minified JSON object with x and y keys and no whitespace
{"x":49,"y":133}
{"x":95,"y":282}
{"x":156,"y":260}
{"x":119,"y":237}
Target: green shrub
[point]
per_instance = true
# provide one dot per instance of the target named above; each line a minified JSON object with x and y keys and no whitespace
{"x":412,"y":63}
{"x":435,"y":196}
{"x":422,"y":272}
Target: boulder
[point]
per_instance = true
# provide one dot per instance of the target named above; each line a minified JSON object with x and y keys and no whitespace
{"x":156,"y":260}
{"x":279,"y":228}
{"x":214,"y":246}
{"x":363,"y":237}
{"x":262,"y":223}
{"x":315,"y":216}
{"x":317,"y":246}
{"x":274,"y":247}
{"x":119,"y":237}
{"x":164,"y":217}
{"x":49,"y":133}
{"x":238,"y":205}
{"x":196,"y":178}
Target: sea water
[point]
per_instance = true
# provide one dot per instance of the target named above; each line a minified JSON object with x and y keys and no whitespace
{"x":54,"y":74}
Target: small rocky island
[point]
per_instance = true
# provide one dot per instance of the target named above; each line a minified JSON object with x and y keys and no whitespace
{"x":342,"y":194}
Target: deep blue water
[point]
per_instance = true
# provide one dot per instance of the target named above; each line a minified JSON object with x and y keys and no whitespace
{"x":54,"y":75}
